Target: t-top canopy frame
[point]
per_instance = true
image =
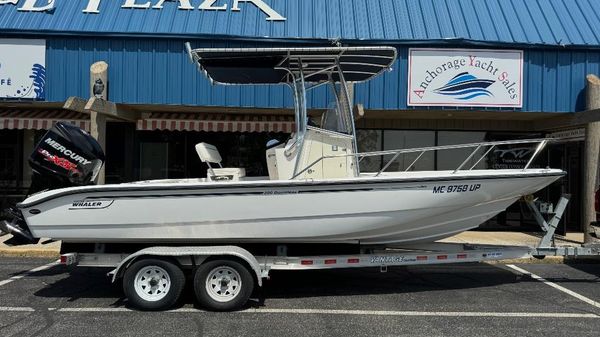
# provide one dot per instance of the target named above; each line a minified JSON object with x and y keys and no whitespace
{"x":302,"y":69}
{"x":274,"y":65}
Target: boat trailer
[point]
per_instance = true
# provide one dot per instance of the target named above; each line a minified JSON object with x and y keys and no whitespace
{"x":224,"y":276}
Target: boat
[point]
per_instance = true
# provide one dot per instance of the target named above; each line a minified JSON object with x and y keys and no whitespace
{"x":315,"y":191}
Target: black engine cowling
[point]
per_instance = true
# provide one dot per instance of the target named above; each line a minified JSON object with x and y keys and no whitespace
{"x":65,"y":156}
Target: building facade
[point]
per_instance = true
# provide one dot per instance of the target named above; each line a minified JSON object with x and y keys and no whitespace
{"x":467,"y":71}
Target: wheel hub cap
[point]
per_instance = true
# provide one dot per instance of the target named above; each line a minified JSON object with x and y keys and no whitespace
{"x":152,"y":283}
{"x":223,"y":284}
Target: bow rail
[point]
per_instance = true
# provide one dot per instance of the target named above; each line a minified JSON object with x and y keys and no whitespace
{"x":542,"y":142}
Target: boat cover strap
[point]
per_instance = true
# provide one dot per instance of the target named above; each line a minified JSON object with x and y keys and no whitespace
{"x":273,"y":65}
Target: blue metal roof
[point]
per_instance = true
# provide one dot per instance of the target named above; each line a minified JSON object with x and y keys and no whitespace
{"x":523,"y":22}
{"x":158,"y":71}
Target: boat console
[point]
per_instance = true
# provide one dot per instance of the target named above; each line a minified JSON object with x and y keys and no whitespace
{"x":312,"y":153}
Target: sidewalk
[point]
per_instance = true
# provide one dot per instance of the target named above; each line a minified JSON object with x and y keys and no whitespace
{"x":52,"y":250}
{"x":520,"y":239}
{"x":513,"y":238}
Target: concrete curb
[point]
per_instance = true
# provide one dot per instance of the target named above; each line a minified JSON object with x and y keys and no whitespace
{"x":550,"y":260}
{"x":32,"y":253}
{"x":531,"y":260}
{"x":40,"y":250}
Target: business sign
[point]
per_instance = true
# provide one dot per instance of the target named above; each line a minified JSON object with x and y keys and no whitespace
{"x":465,"y":77}
{"x":572,"y":134}
{"x":22,"y":69}
{"x":93,"y":6}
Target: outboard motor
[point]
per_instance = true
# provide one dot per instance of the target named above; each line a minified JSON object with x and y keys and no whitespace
{"x":66,"y":156}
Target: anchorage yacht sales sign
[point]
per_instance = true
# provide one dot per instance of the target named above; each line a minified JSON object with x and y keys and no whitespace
{"x":465,"y":77}
{"x":22,"y":69}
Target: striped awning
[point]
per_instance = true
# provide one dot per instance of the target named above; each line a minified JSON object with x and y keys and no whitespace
{"x":217,"y":122}
{"x":41,"y":119}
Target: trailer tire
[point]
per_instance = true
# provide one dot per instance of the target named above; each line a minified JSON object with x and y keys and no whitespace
{"x":153,"y":284}
{"x":223,"y":285}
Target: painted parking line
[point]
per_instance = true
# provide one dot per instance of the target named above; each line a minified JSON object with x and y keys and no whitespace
{"x":354,"y":312}
{"x":556,"y":286}
{"x":18,"y":309}
{"x":29,"y":272}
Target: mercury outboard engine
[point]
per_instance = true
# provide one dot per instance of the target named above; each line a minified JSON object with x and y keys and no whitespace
{"x":66,"y":156}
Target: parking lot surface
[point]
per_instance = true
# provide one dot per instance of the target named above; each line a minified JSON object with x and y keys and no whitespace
{"x":451,"y":300}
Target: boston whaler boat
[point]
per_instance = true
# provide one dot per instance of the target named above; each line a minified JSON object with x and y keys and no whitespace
{"x":315,"y":210}
{"x":315,"y":192}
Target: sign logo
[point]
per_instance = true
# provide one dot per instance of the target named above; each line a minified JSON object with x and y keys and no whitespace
{"x":60,"y":162}
{"x":465,"y":86}
{"x":56,"y":145}
{"x":91,"y":204}
{"x":515,"y":158}
{"x":463,"y":77}
{"x":22,"y":70}
{"x":93,"y":6}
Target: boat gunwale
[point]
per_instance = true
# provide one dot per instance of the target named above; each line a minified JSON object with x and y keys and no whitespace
{"x":133,"y":187}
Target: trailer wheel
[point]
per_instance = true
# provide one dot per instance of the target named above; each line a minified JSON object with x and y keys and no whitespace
{"x":223,"y":285}
{"x":153,"y":284}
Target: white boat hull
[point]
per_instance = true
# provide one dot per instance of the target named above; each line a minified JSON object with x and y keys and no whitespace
{"x":397,"y":208}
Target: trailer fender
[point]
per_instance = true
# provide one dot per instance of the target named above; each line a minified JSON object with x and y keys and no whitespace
{"x":207,"y":251}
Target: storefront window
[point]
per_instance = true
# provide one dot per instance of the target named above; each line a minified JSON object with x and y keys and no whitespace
{"x":247,"y":150}
{"x":399,"y":139}
{"x":11,"y":185}
{"x":162,"y":155}
{"x":452,"y":159}
{"x":154,"y":159}
{"x":368,"y":141}
{"x":172,"y":154}
{"x":9,"y":158}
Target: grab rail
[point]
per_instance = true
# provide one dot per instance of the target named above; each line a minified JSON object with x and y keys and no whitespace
{"x":542,"y":142}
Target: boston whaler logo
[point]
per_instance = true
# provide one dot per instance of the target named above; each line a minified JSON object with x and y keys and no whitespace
{"x":91,"y":204}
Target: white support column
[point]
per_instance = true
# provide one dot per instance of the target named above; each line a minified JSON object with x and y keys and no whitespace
{"x":592,"y":152}
{"x":99,"y":89}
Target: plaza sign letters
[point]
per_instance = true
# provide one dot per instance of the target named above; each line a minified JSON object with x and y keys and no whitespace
{"x":22,"y":69}
{"x":465,"y":77}
{"x":93,"y":6}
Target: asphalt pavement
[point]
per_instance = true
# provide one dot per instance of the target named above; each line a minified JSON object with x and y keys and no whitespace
{"x":450,"y":300}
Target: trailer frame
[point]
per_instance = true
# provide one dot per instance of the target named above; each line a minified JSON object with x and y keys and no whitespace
{"x":382,"y":257}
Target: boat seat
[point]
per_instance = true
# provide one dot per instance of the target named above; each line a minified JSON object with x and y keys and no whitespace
{"x":210,"y":155}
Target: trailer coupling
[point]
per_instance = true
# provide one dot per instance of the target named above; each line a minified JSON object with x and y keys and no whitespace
{"x":21,"y":235}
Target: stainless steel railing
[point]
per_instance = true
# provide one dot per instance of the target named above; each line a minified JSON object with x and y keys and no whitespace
{"x":542,"y":142}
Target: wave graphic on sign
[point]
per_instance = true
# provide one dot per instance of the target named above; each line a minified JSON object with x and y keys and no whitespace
{"x":465,"y":86}
{"x":38,"y":76}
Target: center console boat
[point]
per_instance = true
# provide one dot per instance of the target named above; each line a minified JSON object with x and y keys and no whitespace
{"x":315,"y":191}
